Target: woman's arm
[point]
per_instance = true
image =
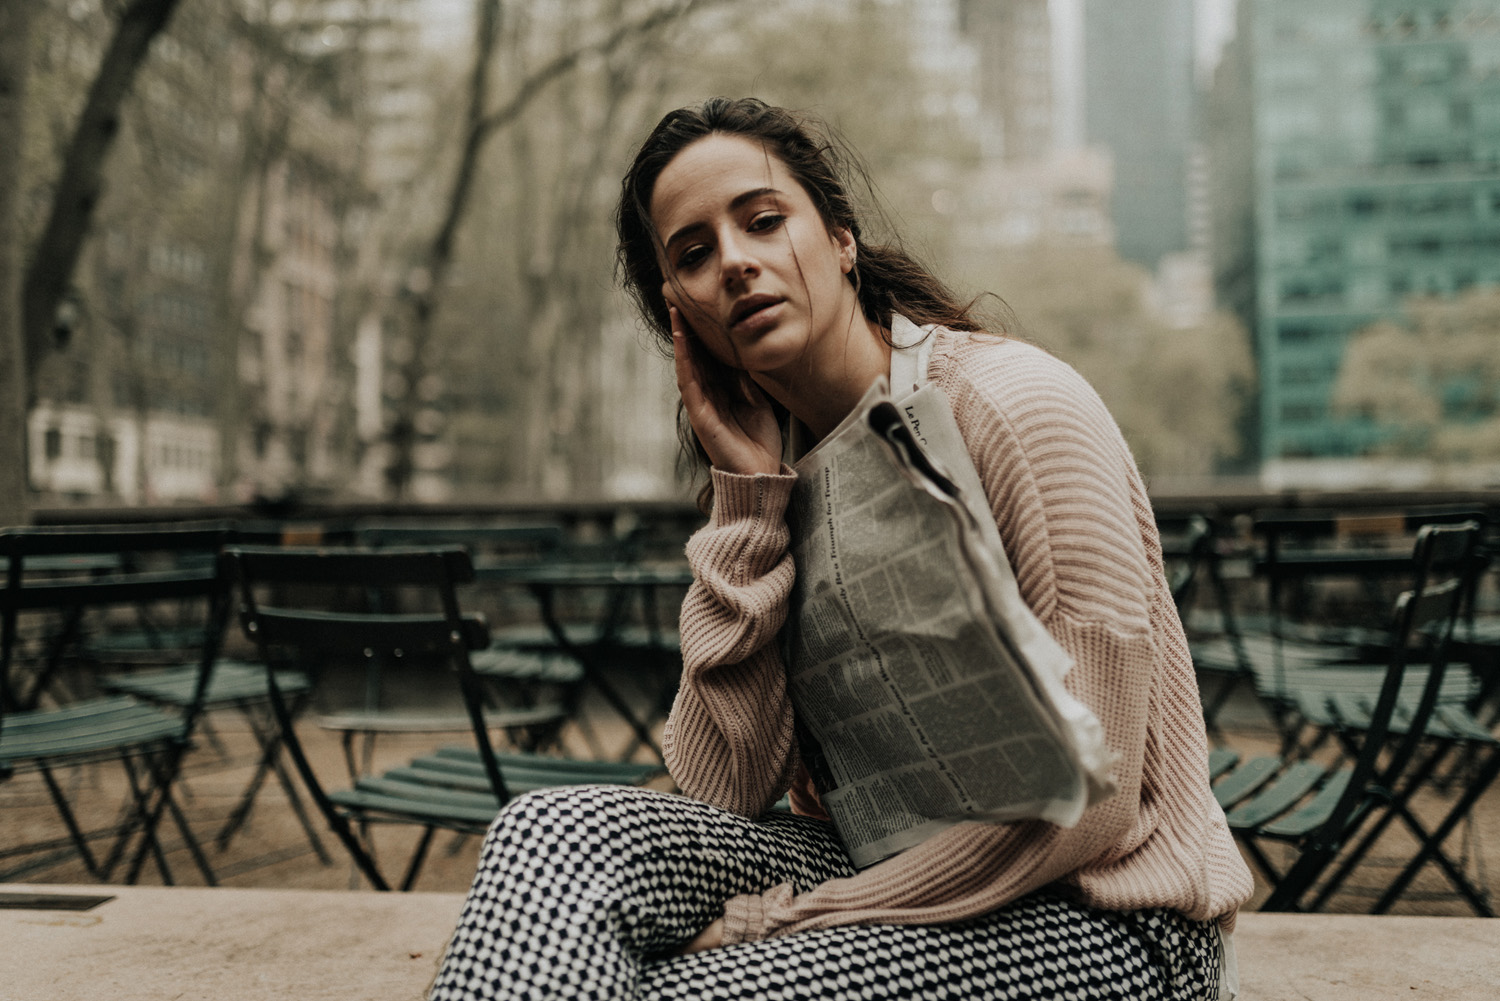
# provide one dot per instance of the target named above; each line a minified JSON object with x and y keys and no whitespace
{"x":1059,"y":480}
{"x":729,"y":739}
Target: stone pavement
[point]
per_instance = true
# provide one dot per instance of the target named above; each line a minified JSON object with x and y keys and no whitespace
{"x":286,"y":925}
{"x":199,"y":944}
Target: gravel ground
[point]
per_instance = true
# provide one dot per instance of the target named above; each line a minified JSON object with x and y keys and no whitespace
{"x":272,"y":849}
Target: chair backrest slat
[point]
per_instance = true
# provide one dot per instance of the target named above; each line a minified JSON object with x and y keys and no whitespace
{"x":529,"y":537}
{"x":70,"y":540}
{"x":366,"y":634}
{"x":111,"y":589}
{"x":396,"y":567}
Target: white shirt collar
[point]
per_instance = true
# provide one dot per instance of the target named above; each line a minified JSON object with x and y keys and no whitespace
{"x":911,"y":352}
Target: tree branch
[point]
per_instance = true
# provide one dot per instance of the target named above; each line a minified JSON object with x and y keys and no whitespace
{"x":482,"y":126}
{"x":55,"y":257}
{"x":479,"y":127}
{"x":561,"y":64}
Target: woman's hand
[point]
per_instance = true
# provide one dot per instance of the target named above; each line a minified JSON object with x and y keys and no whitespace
{"x":711,"y":937}
{"x":735,"y":424}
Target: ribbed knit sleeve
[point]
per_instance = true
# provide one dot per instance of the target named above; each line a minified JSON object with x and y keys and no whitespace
{"x":1078,"y":530}
{"x":729,"y":738}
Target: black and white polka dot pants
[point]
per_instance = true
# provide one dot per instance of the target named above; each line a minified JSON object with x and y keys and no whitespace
{"x":583,"y":892}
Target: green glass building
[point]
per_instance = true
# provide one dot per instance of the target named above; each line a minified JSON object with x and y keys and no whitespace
{"x":1375,"y":131}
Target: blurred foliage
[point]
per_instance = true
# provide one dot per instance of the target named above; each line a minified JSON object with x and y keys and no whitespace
{"x":1430,"y":378}
{"x":536,"y":380}
{"x":1176,"y":391}
{"x":536,"y":257}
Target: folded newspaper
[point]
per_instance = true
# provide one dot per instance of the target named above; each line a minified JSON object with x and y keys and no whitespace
{"x":926,"y":691}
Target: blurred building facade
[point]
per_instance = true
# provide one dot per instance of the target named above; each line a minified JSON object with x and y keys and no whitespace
{"x":129,"y":405}
{"x":360,"y":134}
{"x":1138,"y":102}
{"x":1356,"y":153}
{"x":224,"y":332}
{"x":1028,"y":188}
{"x":1013,"y":43}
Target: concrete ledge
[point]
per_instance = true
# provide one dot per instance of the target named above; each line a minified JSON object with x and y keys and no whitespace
{"x":1352,"y":957}
{"x":201,"y":944}
{"x":197,"y":944}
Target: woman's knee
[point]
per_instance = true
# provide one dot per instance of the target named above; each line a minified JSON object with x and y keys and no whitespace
{"x":591,"y":818}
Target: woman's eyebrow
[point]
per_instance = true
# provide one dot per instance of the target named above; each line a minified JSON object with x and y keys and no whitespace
{"x":734,"y":203}
{"x":750,"y":195}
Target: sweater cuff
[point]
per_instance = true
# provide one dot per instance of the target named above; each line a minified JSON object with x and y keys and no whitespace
{"x":748,"y":917}
{"x":737,"y":496}
{"x":744,"y":919}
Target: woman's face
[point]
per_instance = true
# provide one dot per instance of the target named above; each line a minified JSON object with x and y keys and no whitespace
{"x":748,"y":261}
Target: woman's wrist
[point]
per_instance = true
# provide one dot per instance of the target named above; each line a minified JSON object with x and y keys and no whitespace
{"x":755,"y":470}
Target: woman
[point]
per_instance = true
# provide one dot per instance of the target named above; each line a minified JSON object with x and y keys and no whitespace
{"x":740,"y":243}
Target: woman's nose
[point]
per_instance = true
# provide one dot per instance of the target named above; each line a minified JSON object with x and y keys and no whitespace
{"x":736,"y":260}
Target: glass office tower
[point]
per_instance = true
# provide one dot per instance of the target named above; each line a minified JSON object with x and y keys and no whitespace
{"x":1376,"y":138}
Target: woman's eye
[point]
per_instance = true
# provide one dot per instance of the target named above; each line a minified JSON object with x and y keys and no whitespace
{"x":691,"y":257}
{"x":765,"y":221}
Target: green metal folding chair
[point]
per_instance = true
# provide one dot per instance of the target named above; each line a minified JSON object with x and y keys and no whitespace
{"x":319,"y":608}
{"x":57,"y":581}
{"x":1328,"y":809}
{"x":1329,"y":580}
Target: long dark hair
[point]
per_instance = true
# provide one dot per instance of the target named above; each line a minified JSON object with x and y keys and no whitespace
{"x":886,"y":278}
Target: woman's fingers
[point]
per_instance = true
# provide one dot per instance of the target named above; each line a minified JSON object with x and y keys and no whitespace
{"x":735,"y":424}
{"x":682,"y":354}
{"x":711,"y":937}
{"x":700,"y":408}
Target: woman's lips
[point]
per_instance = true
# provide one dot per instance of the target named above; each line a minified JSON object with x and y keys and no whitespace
{"x":759,"y":317}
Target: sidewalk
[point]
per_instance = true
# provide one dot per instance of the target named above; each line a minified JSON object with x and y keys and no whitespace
{"x":285,"y":925}
{"x":195,"y":944}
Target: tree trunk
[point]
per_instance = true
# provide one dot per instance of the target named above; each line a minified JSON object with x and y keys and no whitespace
{"x":426,"y":286}
{"x":15,"y":58}
{"x":82,"y":178}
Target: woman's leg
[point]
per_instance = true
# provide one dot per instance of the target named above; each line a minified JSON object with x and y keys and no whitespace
{"x":577,"y":886}
{"x":1041,"y":947}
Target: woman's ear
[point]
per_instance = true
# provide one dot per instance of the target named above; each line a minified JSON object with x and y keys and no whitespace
{"x":848,"y":247}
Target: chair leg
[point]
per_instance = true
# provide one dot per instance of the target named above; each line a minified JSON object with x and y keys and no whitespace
{"x":1394,"y":806}
{"x":269,"y":738}
{"x":419,"y":856}
{"x":1397,"y":806}
{"x":362,"y":856}
{"x":149,"y":815}
{"x":1454,"y":871}
{"x":1432,"y":845}
{"x":80,"y":842}
{"x":1351,"y":861}
{"x":191,"y":841}
{"x":338,"y":821}
{"x":1261,"y":861}
{"x":162,"y":771}
{"x":241,"y":811}
{"x":1287,"y":894}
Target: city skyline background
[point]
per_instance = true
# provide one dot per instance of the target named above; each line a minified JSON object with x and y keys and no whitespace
{"x":286,"y":293}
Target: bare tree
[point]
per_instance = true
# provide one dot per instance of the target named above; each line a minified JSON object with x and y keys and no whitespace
{"x":272,"y":83}
{"x":15,"y":51}
{"x":80,"y":182}
{"x":427,"y":279}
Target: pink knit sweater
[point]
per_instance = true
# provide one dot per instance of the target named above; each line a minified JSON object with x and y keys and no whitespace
{"x":1079,"y":531}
